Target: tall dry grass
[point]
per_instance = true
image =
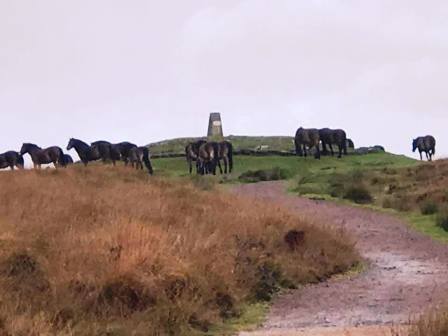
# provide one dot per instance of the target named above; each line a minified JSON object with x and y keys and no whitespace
{"x":111,"y":251}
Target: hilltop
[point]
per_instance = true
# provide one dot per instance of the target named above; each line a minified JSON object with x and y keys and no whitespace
{"x":256,"y":143}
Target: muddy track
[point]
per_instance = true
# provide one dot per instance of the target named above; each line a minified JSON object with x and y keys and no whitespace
{"x":408,"y":272}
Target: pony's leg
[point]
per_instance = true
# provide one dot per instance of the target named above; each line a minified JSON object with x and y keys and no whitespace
{"x":11,"y":166}
{"x":421,"y":156}
{"x":304,"y":151}
{"x":331,"y":150}
{"x":317,"y":152}
{"x":190,"y":166}
{"x":226,"y":164}
{"x":340,"y":151}
{"x":324,"y":148}
{"x":219,"y":165}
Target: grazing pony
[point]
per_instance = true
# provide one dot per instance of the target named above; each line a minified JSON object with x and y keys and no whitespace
{"x":41,"y":156}
{"x":11,"y":159}
{"x":192,"y":154}
{"x":85,"y":152}
{"x":425,"y":144}
{"x":68,"y":159}
{"x":225,"y":153}
{"x":106,"y":150}
{"x":124,"y":149}
{"x":139,"y":155}
{"x":207,"y":158}
{"x":331,"y":137}
{"x":307,"y":139}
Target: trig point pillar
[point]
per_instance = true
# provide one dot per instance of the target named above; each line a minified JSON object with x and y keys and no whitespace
{"x":215,"y":127}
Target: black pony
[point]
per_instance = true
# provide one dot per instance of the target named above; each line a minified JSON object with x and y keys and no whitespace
{"x":41,"y":156}
{"x":425,"y":144}
{"x":106,"y":150}
{"x":125,"y":148}
{"x":68,"y":159}
{"x":85,"y":152}
{"x":11,"y":159}
{"x":332,"y":137}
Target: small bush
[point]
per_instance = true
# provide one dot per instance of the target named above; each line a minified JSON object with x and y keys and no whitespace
{"x":429,"y":207}
{"x":387,"y":203}
{"x":273,"y":174}
{"x":442,"y":218}
{"x":358,"y":194}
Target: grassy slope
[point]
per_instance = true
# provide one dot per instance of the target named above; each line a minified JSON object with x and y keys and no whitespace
{"x":313,"y":178}
{"x":104,"y":250}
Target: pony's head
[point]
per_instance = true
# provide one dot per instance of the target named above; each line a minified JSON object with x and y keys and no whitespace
{"x":414,"y":145}
{"x":71,"y":144}
{"x":25,"y":148}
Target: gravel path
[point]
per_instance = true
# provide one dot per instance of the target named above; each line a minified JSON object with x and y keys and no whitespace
{"x":407,"y":273}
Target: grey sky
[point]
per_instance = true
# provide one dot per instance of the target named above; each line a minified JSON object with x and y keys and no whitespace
{"x":149,"y":70}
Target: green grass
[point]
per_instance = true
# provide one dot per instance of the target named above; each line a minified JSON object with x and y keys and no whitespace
{"x":313,"y":171}
{"x":252,"y":317}
{"x":275,"y":143}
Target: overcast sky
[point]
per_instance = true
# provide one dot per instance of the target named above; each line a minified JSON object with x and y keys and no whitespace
{"x":149,"y":70}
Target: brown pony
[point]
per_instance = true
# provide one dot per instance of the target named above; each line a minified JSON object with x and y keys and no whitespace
{"x":225,"y":153}
{"x":41,"y":156}
{"x":425,"y":144}
{"x":192,"y":154}
{"x":331,"y":137}
{"x":139,"y":155}
{"x":306,"y":139}
{"x":207,"y":158}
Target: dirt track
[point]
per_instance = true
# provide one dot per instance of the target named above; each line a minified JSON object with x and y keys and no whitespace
{"x":408,"y":273}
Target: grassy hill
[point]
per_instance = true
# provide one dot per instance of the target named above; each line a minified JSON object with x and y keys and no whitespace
{"x":109,"y":250}
{"x":272,"y":143}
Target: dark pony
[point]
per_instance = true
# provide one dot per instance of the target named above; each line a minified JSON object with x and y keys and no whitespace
{"x":68,"y":159}
{"x":11,"y":159}
{"x":106,"y":150}
{"x":207,"y":158}
{"x":331,"y":137}
{"x":224,"y":152}
{"x":85,"y":152}
{"x":192,"y":154}
{"x":139,"y":155}
{"x":425,"y":144}
{"x":41,"y":156}
{"x":306,"y":139}
{"x":124,"y":149}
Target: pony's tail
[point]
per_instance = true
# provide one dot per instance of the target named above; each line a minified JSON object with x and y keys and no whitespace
{"x":147,"y":161}
{"x":298,"y":149}
{"x":230,"y":157}
{"x":62,"y":158}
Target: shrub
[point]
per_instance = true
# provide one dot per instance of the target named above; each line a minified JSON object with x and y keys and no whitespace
{"x":442,"y":218}
{"x":273,"y":174}
{"x":358,"y":194}
{"x":429,"y":207}
{"x":387,"y":203}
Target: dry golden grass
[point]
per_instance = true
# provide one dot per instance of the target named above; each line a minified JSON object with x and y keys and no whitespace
{"x":112,"y":251}
{"x":431,"y":324}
